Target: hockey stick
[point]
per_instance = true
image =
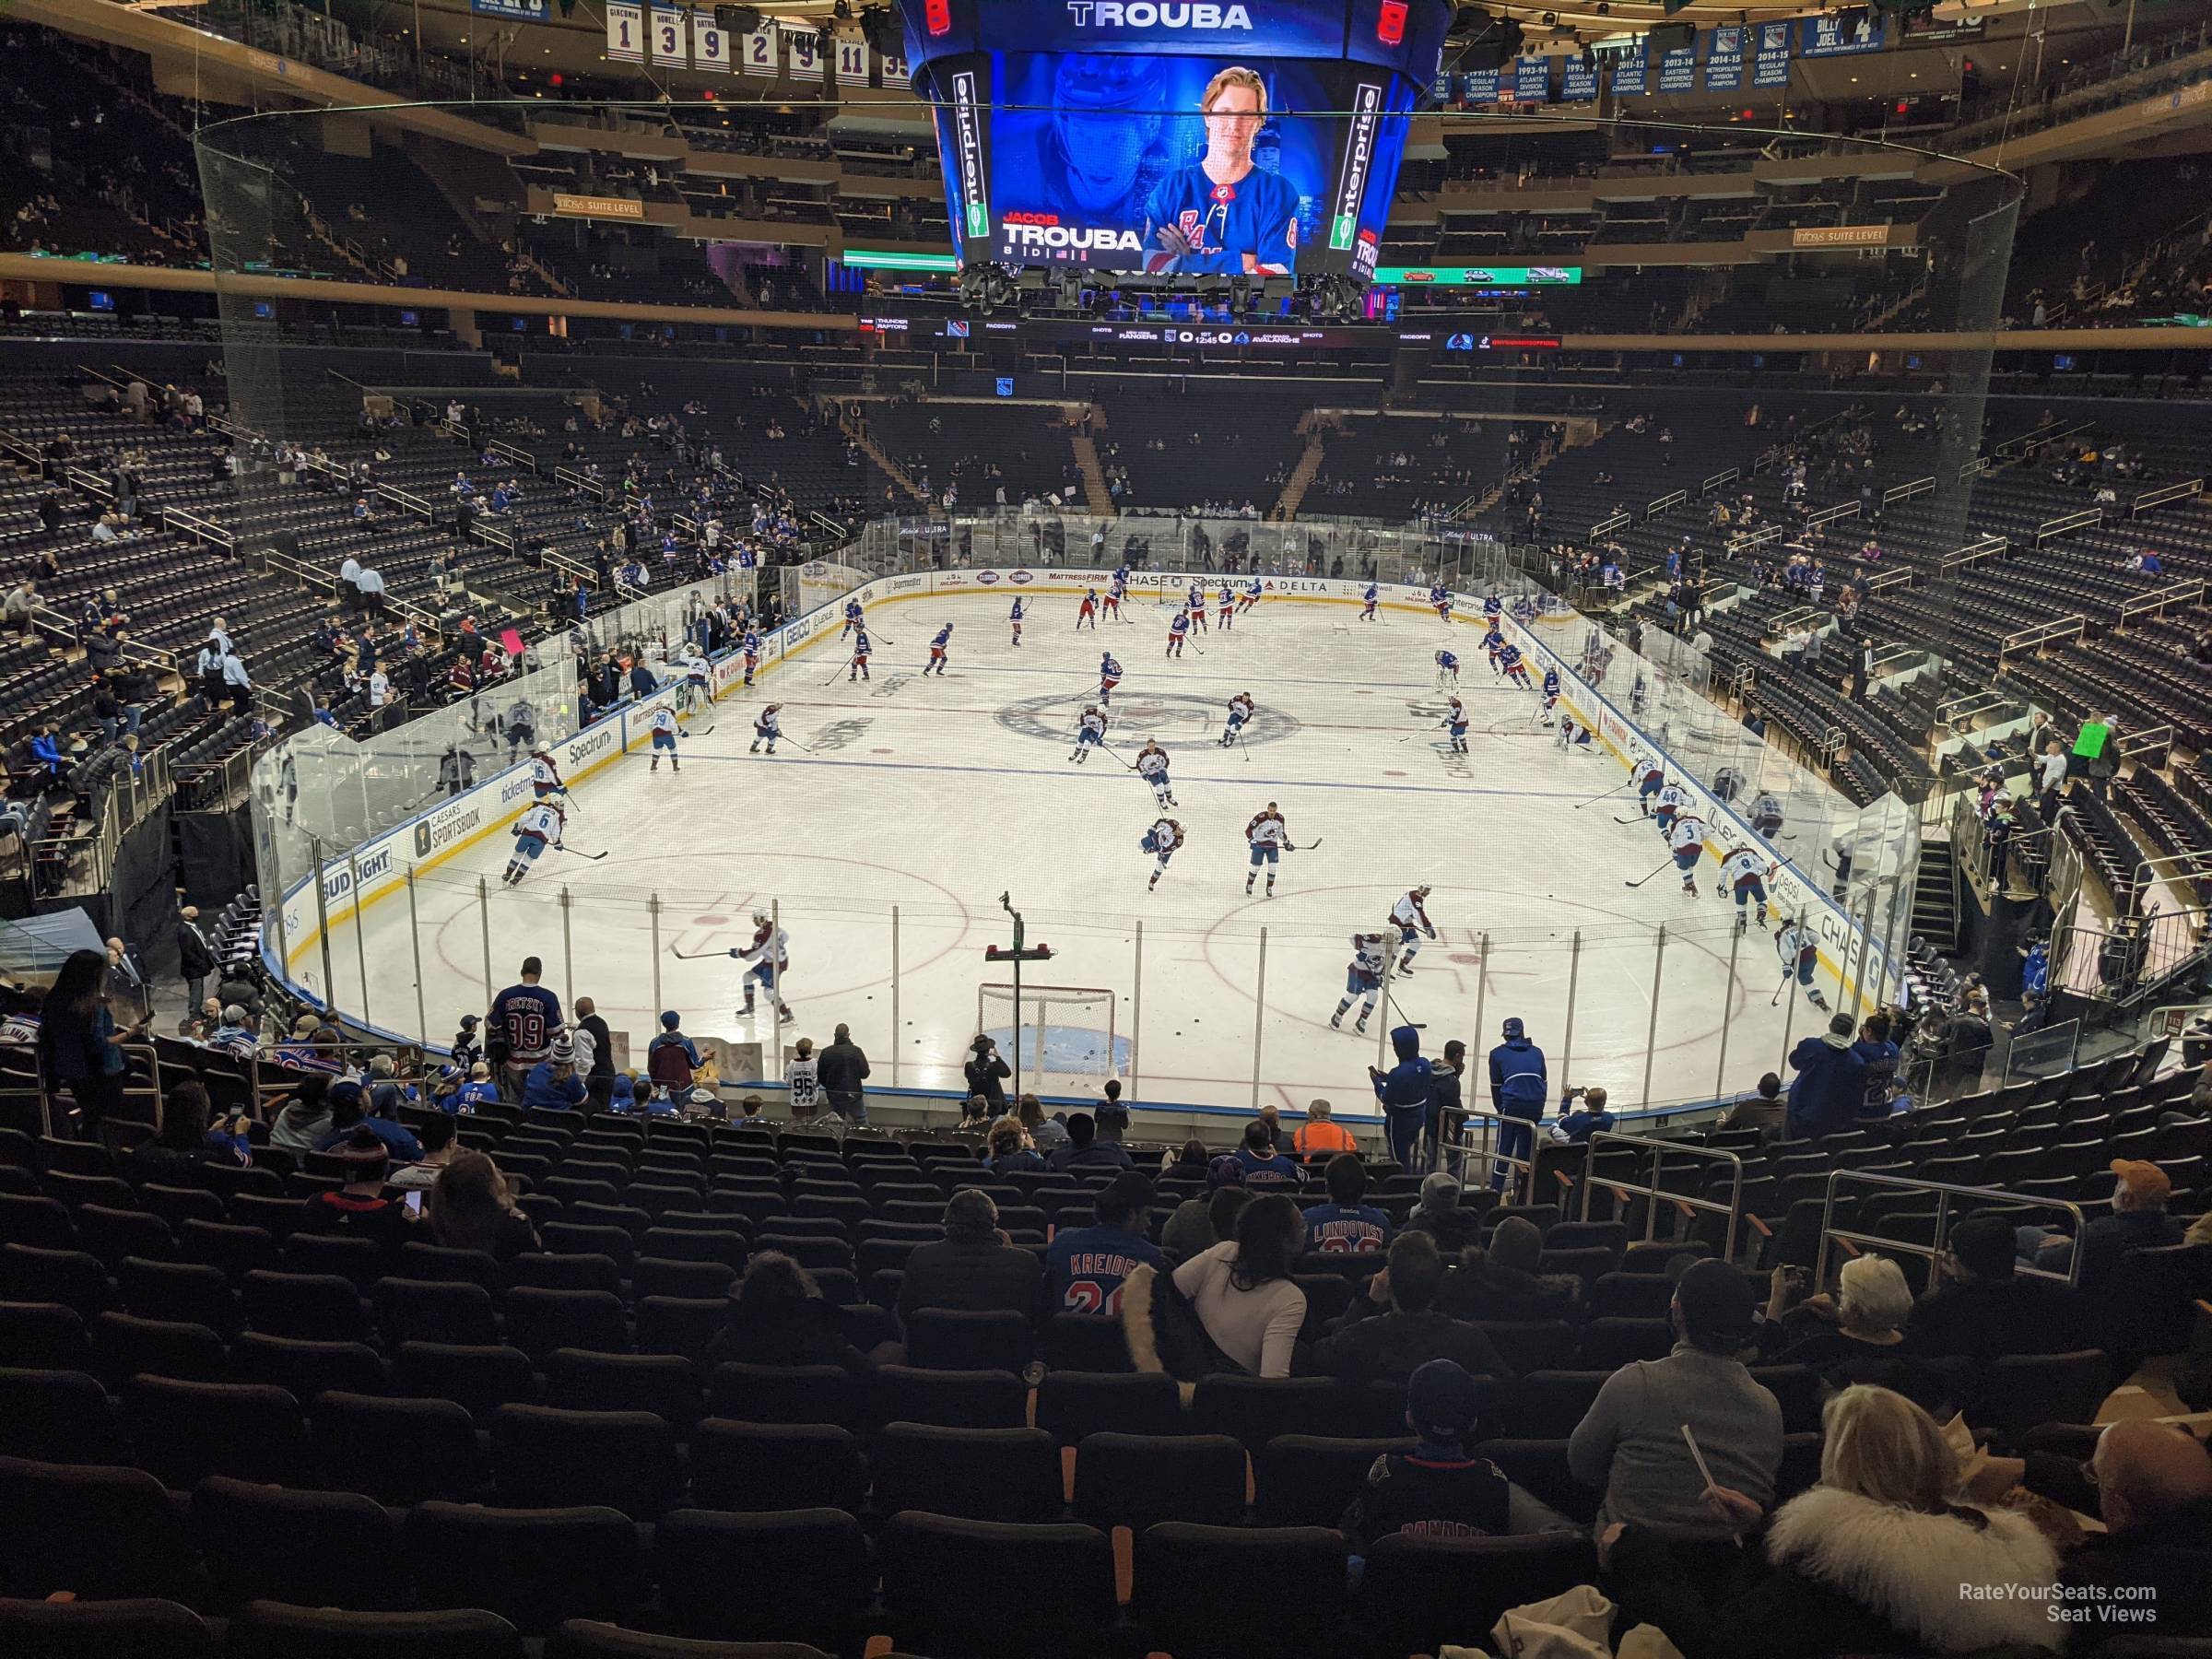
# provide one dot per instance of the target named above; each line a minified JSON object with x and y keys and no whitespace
{"x":697,"y":956}
{"x":559,"y":848}
{"x":1392,"y":1002}
{"x":1642,"y":879}
{"x":1786,"y":978}
{"x":1242,"y":747}
{"x":1596,"y":798}
{"x":1640,"y":818}
{"x":1307,"y":848}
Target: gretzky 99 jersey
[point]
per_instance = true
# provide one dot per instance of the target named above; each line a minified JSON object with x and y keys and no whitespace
{"x":1257,"y":216}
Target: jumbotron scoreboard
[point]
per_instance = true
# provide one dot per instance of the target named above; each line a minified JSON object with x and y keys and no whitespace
{"x":1255,"y":138}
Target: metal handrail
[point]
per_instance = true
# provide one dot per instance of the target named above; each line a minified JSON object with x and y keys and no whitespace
{"x":2154,"y":605}
{"x":1989,"y":547}
{"x":1659,"y":1150}
{"x":2164,"y":493}
{"x":1944,"y":1193}
{"x":1665,"y":504}
{"x":1719,"y":478}
{"x":1905,"y":492}
{"x":2066,"y":523}
{"x":1828,"y":515}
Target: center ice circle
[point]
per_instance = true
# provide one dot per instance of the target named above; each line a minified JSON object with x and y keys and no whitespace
{"x":1171,"y":719}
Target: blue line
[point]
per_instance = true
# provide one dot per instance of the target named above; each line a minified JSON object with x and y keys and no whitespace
{"x":1023,"y":772}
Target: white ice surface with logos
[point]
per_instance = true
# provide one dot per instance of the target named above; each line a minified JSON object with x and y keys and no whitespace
{"x":934,"y":795}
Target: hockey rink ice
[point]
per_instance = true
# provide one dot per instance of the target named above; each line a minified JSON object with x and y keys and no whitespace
{"x":937,"y":795}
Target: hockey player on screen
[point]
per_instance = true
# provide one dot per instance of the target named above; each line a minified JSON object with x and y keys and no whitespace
{"x":1090,"y":733}
{"x":1268,"y":837}
{"x":1744,"y":873}
{"x":1439,"y":602}
{"x":663,"y":739}
{"x":1109,"y":676}
{"x":862,"y":646}
{"x":1089,"y":610}
{"x":538,"y":828}
{"x":766,"y":729}
{"x":1162,"y":841}
{"x":853,"y":616}
{"x":1455,"y":722}
{"x":1240,"y":714}
{"x":1362,"y":978}
{"x":1551,"y":693}
{"x":1687,"y":842}
{"x":1014,"y":619}
{"x":1368,"y":601}
{"x":765,"y":959}
{"x":749,"y":647}
{"x":1178,"y":631}
{"x":1224,"y":607}
{"x":1766,"y":815}
{"x":1799,"y":950}
{"x":1447,"y":669}
{"x":937,"y":648}
{"x":1225,"y":216}
{"x":544,"y":777}
{"x":1195,"y":603}
{"x":1152,"y":767}
{"x":1409,"y":915}
{"x":1515,"y":669}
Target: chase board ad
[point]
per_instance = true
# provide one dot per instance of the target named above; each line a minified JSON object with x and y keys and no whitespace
{"x":1175,"y":137}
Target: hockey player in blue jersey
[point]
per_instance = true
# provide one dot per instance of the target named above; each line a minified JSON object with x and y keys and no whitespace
{"x":1225,"y":217}
{"x":1440,"y":602}
{"x":1492,"y":609}
{"x":1367,"y":601}
{"x":1178,"y":631}
{"x":1014,"y":619}
{"x":861,"y":645}
{"x":1493,"y":642}
{"x":749,"y":647}
{"x":1224,"y":607}
{"x":1455,"y":722}
{"x":1251,"y":595}
{"x":1509,"y":658}
{"x":1109,"y":676}
{"x":852,"y":615}
{"x":1447,"y":668}
{"x":936,"y":652}
{"x":1551,"y":693}
{"x":1195,"y":603}
{"x":1089,"y":610}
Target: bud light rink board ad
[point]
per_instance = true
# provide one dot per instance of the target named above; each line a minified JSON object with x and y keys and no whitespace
{"x":1176,"y":137}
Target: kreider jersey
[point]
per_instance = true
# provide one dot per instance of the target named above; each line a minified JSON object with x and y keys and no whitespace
{"x":1257,"y":215}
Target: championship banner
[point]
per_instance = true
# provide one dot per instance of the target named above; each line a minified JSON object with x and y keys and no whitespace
{"x":1724,"y":59}
{"x":1679,"y":71}
{"x":1581,"y":83}
{"x":1631,"y":70}
{"x":625,"y":31}
{"x":709,"y":45}
{"x":1532,"y":80}
{"x":1770,"y":63}
{"x":1482,"y":86}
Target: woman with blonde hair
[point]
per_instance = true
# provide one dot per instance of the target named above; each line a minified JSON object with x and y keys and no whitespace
{"x":1876,"y":1557}
{"x":472,"y":1209}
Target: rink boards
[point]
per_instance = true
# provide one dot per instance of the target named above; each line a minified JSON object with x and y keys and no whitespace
{"x":378,"y":869}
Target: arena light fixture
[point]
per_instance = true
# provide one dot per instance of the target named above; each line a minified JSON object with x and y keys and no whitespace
{"x":738,"y":19}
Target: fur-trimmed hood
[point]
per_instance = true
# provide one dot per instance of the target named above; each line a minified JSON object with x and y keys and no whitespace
{"x":1914,"y":1571}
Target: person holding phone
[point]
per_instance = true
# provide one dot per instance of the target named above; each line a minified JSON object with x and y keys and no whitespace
{"x":79,"y":1046}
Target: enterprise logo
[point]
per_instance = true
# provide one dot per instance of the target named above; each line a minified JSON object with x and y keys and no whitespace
{"x":1359,"y":156}
{"x":968,"y":137}
{"x":1166,"y":14}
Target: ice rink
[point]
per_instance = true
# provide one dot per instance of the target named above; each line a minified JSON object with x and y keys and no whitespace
{"x":936,"y":795}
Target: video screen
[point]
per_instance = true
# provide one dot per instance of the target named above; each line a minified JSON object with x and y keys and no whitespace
{"x":1173,"y":166}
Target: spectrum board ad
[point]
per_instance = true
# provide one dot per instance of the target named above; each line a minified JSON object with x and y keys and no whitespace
{"x":1174,"y":137}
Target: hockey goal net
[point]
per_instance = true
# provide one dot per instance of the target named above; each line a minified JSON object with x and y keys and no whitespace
{"x":1068,"y":1040}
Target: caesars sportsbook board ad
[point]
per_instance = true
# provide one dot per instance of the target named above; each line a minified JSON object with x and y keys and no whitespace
{"x":1178,"y":137}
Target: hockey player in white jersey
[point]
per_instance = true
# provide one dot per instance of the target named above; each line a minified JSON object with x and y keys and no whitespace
{"x":663,"y":739}
{"x":1162,"y":841}
{"x":698,"y":679}
{"x":1240,"y":714}
{"x":765,"y":959}
{"x":767,"y":728}
{"x":1152,"y":767}
{"x":1572,"y":737}
{"x":1409,"y":915}
{"x":544,"y":777}
{"x":1651,"y":778}
{"x":1362,"y":978}
{"x":537,"y":829}
{"x":1766,"y":815}
{"x":1671,"y":800}
{"x":1455,"y":722}
{"x":1269,"y":837}
{"x":1090,"y":733}
{"x":1687,"y":842}
{"x":1799,"y":949}
{"x":1743,"y":873}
